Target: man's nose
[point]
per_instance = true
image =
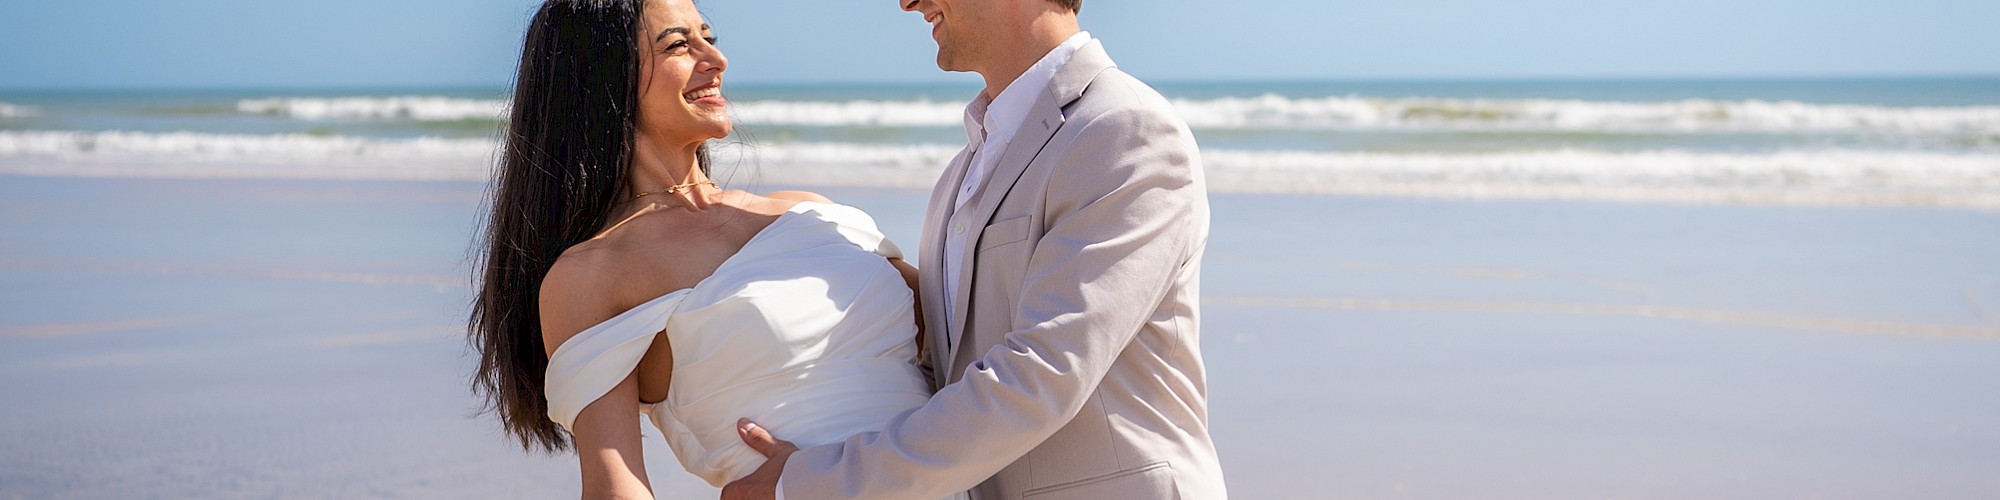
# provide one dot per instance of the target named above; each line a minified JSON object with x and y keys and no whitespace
{"x":909,"y":5}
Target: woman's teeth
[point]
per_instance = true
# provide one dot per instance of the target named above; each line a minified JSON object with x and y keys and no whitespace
{"x":703,"y":93}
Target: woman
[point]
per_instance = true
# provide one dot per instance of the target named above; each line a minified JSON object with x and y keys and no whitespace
{"x":620,"y":280}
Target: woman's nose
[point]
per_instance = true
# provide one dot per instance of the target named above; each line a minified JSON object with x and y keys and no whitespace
{"x":715,"y":61}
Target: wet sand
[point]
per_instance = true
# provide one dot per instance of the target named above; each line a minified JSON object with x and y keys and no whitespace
{"x":303,"y":339}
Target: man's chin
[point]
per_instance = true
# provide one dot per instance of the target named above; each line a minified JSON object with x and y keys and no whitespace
{"x":952,"y":65}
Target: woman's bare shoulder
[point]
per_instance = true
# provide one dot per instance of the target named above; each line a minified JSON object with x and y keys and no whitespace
{"x":799,"y":196}
{"x":578,"y":291}
{"x":589,"y":280}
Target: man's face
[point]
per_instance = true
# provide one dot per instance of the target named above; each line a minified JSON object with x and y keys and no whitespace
{"x":963,"y":29}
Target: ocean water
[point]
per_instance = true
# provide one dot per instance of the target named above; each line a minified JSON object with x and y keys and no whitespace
{"x":1855,"y":141}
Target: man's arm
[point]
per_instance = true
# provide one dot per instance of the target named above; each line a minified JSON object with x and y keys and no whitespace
{"x":1122,"y":221}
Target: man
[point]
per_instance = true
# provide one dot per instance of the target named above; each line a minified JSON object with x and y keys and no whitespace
{"x":1062,"y":254}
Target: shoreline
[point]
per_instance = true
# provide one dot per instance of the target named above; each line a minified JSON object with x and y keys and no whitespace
{"x":902,"y":178}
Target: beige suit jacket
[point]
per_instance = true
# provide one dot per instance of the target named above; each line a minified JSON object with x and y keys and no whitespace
{"x":1074,"y":371}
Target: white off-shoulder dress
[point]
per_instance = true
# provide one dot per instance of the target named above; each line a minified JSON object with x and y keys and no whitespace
{"x":808,"y":330}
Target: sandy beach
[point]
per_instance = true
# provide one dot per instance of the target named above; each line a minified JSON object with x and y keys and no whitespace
{"x":303,"y":339}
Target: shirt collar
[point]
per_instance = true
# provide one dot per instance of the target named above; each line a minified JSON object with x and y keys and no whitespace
{"x":1004,"y":114}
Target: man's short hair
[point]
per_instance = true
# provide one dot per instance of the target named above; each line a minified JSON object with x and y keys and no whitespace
{"x":1072,"y":5}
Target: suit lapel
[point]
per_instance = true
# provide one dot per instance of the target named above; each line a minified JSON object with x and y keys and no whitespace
{"x":1043,"y":120}
{"x":1034,"y":133}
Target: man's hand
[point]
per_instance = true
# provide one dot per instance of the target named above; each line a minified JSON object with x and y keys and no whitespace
{"x":762,"y":484}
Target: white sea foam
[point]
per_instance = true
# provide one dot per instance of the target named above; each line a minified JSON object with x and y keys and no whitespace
{"x":196,"y":155}
{"x":426,"y":108}
{"x":1842,"y":177}
{"x":1693,"y":115}
{"x":919,"y":113}
{"x":1839,"y":177}
{"x":1360,"y":113}
{"x":1822,"y":177}
{"x":922,"y":160}
{"x":15,"y":111}
{"x":418,"y":108}
{"x":1273,"y":112}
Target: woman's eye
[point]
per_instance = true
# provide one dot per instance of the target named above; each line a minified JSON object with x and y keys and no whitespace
{"x":677,"y":45}
{"x":711,"y":40}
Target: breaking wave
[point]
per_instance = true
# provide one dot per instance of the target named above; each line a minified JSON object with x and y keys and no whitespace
{"x":1419,"y":114}
{"x":1274,"y":112}
{"x":376,"y":108}
{"x":919,"y":113}
{"x":197,"y":155}
{"x":1807,"y":176}
{"x":15,"y":111}
{"x":1693,"y":115}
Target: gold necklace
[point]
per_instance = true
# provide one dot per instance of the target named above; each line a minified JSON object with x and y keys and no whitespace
{"x":676,"y":188}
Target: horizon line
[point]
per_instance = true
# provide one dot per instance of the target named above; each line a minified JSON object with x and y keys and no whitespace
{"x":948,"y":81}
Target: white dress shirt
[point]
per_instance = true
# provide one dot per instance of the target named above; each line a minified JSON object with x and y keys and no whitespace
{"x":990,"y":125}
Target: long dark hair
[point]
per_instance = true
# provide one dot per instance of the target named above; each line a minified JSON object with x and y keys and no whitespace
{"x":563,"y":168}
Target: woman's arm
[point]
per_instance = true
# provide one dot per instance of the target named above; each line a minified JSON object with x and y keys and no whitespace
{"x":606,"y":433}
{"x":608,"y":446}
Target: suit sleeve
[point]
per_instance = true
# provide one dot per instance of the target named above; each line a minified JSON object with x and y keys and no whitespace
{"x":1121,"y":220}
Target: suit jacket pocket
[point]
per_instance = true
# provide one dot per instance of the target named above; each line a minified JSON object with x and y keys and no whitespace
{"x":1001,"y":233}
{"x":1153,"y":481}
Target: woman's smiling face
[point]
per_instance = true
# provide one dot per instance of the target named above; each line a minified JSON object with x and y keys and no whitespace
{"x":680,"y":87}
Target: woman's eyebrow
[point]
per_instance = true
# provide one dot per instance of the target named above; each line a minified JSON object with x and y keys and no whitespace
{"x":676,"y":29}
{"x":670,"y":31}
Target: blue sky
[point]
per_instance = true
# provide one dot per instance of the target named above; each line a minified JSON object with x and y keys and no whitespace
{"x":350,"y":43}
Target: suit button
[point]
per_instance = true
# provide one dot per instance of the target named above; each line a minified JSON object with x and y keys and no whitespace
{"x":958,"y":228}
